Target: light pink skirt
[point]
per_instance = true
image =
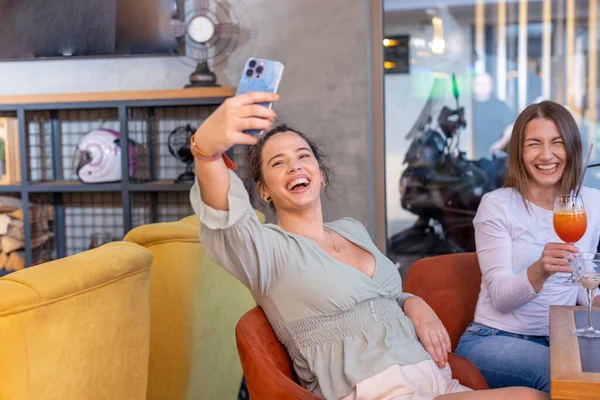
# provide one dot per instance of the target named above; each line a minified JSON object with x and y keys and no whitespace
{"x":422,"y":381}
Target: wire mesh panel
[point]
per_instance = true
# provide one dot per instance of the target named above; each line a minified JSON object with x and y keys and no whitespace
{"x":74,"y":124}
{"x":39,"y":144}
{"x":91,"y":219}
{"x":70,"y":126}
{"x":42,"y":228}
{"x":154,"y":132}
{"x":142,"y":208}
{"x":239,"y":154}
{"x":160,"y":207}
{"x":173,"y":206}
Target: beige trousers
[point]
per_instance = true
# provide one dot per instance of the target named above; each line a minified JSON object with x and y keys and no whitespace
{"x":422,"y":381}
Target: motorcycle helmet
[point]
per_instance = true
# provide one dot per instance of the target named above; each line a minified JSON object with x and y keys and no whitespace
{"x":98,"y":157}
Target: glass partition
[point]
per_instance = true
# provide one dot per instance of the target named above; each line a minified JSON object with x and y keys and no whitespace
{"x":457,"y":73}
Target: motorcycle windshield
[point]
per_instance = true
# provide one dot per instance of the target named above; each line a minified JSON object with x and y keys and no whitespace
{"x":431,"y":107}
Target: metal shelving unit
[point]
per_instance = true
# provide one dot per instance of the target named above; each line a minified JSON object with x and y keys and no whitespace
{"x":133,"y":114}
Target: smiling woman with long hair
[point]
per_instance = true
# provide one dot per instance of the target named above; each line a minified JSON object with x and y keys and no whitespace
{"x":333,"y":299}
{"x":522,"y":260}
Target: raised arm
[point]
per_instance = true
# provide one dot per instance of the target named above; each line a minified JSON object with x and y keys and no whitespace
{"x":230,"y":231}
{"x":222,"y":130}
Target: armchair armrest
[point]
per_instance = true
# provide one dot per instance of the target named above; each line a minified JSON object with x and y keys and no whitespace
{"x":466,"y":372}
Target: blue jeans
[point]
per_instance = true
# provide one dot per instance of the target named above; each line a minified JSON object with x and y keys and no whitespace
{"x":507,"y":359}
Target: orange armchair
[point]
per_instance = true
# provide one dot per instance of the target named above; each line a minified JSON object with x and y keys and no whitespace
{"x":268,"y":369}
{"x":450,"y":284}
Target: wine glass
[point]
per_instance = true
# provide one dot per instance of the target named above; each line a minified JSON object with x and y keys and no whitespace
{"x":570,"y":221}
{"x":586,"y":266}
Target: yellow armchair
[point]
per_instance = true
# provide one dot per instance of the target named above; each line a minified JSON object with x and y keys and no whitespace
{"x":195,"y":305}
{"x":77,"y":328}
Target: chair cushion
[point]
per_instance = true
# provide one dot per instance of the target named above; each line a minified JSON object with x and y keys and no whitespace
{"x":450,"y":284}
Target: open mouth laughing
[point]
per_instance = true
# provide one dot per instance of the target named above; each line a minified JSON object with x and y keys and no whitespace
{"x":547,"y":169}
{"x":298,"y":184}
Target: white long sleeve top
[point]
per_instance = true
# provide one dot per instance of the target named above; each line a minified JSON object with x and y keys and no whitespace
{"x":509,"y":238}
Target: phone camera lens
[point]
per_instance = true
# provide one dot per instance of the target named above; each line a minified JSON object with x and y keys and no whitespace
{"x":259,"y":69}
{"x":252,"y":64}
{"x":249,"y":72}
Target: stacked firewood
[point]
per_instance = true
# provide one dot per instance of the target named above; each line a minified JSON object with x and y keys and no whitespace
{"x":12,"y":232}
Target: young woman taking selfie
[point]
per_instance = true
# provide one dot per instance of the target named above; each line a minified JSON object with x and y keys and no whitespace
{"x":333,"y":299}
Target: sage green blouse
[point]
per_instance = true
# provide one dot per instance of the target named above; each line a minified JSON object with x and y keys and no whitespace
{"x":338,"y":325}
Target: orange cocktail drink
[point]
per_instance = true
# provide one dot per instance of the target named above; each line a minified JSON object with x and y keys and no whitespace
{"x":570,"y":226}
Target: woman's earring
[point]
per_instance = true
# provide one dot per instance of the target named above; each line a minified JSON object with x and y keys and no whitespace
{"x":267,"y":199}
{"x":323,"y":184}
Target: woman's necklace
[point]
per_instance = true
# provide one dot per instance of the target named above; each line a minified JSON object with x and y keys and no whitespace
{"x":337,"y":250}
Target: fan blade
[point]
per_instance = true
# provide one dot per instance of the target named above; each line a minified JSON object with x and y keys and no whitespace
{"x":177,"y":28}
{"x":227,"y":30}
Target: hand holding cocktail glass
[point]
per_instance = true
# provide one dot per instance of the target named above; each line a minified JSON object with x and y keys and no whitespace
{"x":570,"y":219}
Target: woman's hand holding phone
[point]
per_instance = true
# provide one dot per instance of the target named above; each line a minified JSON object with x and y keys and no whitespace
{"x":225,"y":127}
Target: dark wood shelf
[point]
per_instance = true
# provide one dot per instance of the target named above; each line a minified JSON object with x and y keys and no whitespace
{"x":13,"y":188}
{"x":77,"y":187}
{"x":161,"y":186}
{"x":72,"y":187}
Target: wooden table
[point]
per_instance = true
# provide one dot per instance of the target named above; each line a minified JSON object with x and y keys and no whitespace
{"x":568,"y":381}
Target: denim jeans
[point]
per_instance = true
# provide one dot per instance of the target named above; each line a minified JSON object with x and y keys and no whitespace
{"x":507,"y":359}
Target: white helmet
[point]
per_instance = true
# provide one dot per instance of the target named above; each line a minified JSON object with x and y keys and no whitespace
{"x":98,"y":157}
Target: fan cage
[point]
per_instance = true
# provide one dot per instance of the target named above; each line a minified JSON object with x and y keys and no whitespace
{"x":222,"y":43}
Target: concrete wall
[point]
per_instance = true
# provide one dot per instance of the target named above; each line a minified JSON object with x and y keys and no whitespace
{"x":324,"y":46}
